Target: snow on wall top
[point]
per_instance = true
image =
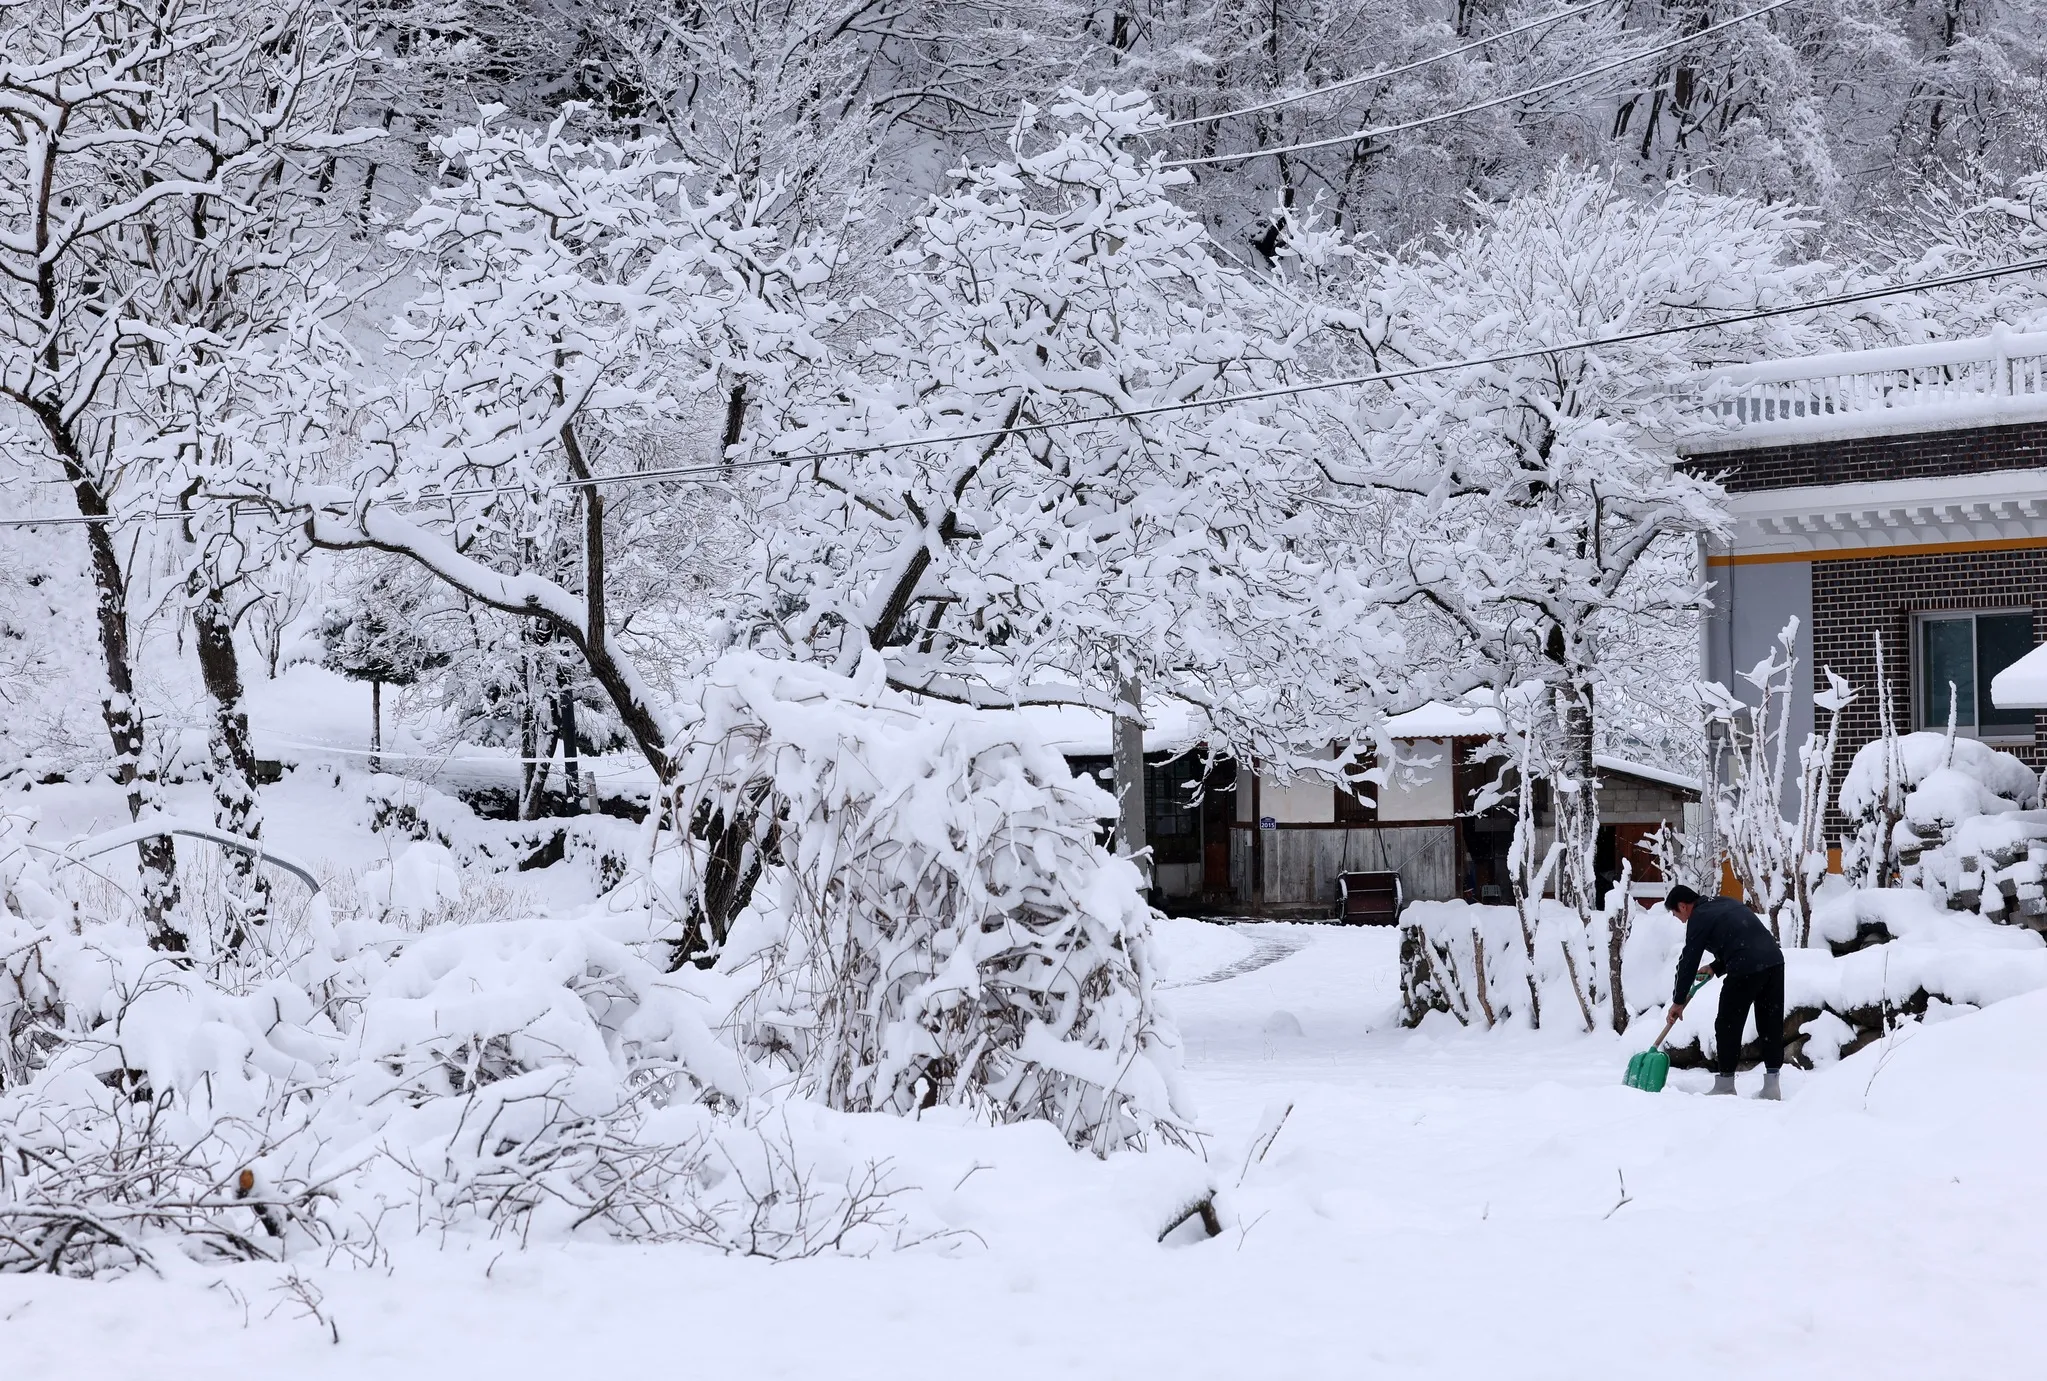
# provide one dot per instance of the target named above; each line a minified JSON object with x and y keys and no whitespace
{"x":1998,"y":377}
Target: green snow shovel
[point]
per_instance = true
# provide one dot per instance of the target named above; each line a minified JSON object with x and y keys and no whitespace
{"x":1648,"y":1070}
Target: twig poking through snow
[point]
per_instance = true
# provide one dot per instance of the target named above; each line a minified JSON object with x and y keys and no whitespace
{"x":1268,"y":1132}
{"x":296,"y":1289}
{"x":1619,"y":1203}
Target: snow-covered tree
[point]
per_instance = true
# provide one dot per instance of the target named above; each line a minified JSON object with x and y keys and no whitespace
{"x":152,"y":199}
{"x":1029,"y":486}
{"x":1548,"y":519}
{"x":376,"y":632}
{"x":575,"y":292}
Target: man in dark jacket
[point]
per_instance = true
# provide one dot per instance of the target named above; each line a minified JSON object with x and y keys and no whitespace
{"x":1751,"y":970}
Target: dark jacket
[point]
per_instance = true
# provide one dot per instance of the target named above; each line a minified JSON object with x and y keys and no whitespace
{"x":1736,"y":936}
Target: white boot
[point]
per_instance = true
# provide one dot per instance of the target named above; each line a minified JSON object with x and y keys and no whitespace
{"x":1722,"y":1084}
{"x":1770,"y":1089}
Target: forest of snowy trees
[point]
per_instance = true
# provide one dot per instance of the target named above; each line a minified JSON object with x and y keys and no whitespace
{"x":707,"y":381}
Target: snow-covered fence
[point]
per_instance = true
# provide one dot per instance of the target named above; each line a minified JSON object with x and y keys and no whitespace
{"x":1485,"y":967}
{"x":2003,"y":371}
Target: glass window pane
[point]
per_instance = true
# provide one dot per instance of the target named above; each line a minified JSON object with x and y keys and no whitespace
{"x":2001,"y":639}
{"x":1950,"y":658}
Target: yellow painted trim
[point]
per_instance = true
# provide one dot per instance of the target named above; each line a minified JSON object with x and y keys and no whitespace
{"x":1767,"y":558}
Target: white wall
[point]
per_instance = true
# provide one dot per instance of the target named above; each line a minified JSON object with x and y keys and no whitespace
{"x":1305,"y":800}
{"x":1420,"y":790}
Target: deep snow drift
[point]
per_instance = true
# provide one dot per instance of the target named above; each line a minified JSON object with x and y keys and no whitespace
{"x":1438,"y":1203}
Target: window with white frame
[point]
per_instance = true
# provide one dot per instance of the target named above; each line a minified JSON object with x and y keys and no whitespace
{"x":1962,"y":652}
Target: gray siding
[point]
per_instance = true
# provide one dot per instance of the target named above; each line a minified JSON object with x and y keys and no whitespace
{"x":1750,"y":606}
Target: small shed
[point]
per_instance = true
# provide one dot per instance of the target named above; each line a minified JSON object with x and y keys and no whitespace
{"x":1227,"y":839}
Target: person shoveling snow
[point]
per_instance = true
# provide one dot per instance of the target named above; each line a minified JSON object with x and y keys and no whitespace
{"x":1751,"y":967}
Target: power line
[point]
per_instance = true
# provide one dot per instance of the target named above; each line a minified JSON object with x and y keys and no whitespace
{"x":1538,"y":89}
{"x":1385,"y":72}
{"x":711,"y":470}
{"x":1355,"y":380}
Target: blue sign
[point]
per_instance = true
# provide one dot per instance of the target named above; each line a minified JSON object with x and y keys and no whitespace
{"x":1266,"y":822}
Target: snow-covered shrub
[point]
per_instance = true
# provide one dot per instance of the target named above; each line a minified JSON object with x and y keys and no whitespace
{"x":600,"y":845}
{"x":343,"y":1082}
{"x":936,"y":923}
{"x":1969,"y":834}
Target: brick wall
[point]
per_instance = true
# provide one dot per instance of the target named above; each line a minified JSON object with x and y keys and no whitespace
{"x":1860,"y":460}
{"x":1852,"y":598}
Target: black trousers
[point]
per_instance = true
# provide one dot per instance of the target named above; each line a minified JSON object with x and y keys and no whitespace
{"x":1763,"y":991}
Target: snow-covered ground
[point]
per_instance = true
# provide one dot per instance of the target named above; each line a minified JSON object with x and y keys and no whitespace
{"x":1439,"y":1203}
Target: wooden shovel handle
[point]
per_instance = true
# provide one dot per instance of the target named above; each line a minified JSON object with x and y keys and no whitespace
{"x":1657,"y":1044}
{"x":1660,"y":1035}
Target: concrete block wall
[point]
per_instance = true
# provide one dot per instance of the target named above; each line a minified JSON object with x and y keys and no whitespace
{"x":1632,"y":801}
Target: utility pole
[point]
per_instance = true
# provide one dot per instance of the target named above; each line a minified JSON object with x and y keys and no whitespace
{"x":1128,"y":748}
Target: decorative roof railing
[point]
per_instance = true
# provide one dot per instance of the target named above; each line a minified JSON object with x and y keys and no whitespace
{"x":1937,"y":382}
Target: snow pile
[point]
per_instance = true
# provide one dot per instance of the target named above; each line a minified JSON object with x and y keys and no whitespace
{"x":934,"y":922}
{"x":1896,"y":953}
{"x":1967,"y":829}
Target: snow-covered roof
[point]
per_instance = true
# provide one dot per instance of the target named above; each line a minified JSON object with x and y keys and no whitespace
{"x":2023,"y":684}
{"x":1079,"y":732}
{"x":1438,"y":720}
{"x":1176,"y":726}
{"x":1683,"y":782}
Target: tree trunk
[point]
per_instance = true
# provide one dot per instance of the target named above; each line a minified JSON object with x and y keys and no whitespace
{"x":572,"y":777}
{"x":233,"y":768}
{"x":376,"y":725}
{"x":1618,"y":925}
{"x":1129,"y":773}
{"x":118,"y":710}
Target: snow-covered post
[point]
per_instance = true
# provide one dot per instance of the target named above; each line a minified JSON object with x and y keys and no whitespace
{"x":1815,"y":795}
{"x":1129,"y":773}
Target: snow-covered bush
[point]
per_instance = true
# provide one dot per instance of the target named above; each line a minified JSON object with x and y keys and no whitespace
{"x":518,"y":1077}
{"x":935,"y":922}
